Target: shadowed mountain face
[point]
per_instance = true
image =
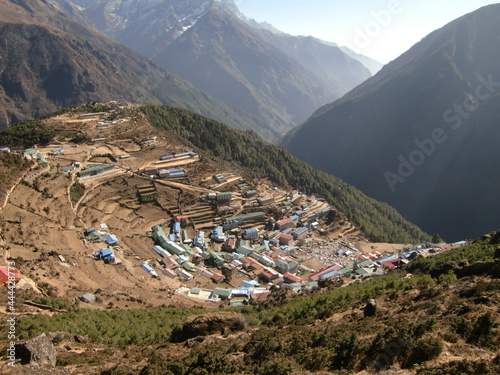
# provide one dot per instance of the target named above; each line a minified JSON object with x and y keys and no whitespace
{"x":279,"y":78}
{"x":423,"y":133}
{"x":49,"y":61}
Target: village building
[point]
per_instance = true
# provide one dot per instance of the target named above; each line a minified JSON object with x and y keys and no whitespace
{"x":250,"y":234}
{"x":107,"y":255}
{"x":266,"y":201}
{"x":170,"y":263}
{"x":290,"y":278}
{"x":285,"y":239}
{"x":284,"y":224}
{"x":95,"y":169}
{"x":5,"y":272}
{"x":230,"y":244}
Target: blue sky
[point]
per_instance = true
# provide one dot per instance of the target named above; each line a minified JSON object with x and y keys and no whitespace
{"x":381,"y":29}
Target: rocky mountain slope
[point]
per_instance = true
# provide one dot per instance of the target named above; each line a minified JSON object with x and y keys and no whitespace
{"x":279,"y":78}
{"x":422,"y":134}
{"x":50,"y":61}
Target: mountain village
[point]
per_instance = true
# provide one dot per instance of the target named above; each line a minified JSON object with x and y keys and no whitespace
{"x":215,"y":236}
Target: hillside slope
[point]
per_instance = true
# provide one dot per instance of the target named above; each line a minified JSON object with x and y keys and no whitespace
{"x":422,"y":134}
{"x":422,"y":325}
{"x":378,"y":221}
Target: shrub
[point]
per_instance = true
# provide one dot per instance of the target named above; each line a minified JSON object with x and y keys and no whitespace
{"x":424,"y":350}
{"x":458,"y":367}
{"x":76,"y":191}
{"x":482,"y":331}
{"x":447,"y":278}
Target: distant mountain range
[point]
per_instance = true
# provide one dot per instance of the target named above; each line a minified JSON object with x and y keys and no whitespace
{"x":50,"y":61}
{"x":423,"y":133}
{"x":279,"y":78}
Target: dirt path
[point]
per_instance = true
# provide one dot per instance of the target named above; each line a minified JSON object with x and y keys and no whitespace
{"x":230,"y":180}
{"x":183,"y":186}
{"x":9,"y":192}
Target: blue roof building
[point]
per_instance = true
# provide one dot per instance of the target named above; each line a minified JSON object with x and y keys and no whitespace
{"x":105,"y":254}
{"x":161,"y":251}
{"x":110,"y":239}
{"x":176,"y":227}
{"x":146,"y":267}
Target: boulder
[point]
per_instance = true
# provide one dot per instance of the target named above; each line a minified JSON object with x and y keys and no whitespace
{"x":81,"y":339}
{"x":475,"y":269}
{"x":38,"y":350}
{"x":370,"y":309}
{"x":213,"y":323}
{"x":87,"y":298}
{"x":57,"y":337}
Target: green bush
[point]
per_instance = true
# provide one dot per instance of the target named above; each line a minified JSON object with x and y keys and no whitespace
{"x":447,"y":278}
{"x":483,"y":330}
{"x":121,"y":327}
{"x":459,"y":367}
{"x":424,"y":350}
{"x":76,"y":191}
{"x":58,"y":303}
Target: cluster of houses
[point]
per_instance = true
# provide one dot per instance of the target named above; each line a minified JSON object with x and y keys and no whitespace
{"x":283,"y":274}
{"x":265,"y":258}
{"x":106,"y":254}
{"x":158,"y":172}
{"x":262,"y":256}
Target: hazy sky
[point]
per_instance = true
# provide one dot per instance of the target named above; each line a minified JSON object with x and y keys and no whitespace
{"x":381,"y":29}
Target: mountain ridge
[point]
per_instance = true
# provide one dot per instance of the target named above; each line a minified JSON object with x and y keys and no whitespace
{"x":58,"y":53}
{"x":160,"y":33}
{"x":374,"y":129}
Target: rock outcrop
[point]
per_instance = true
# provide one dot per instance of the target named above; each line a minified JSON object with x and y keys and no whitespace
{"x":213,"y":323}
{"x":87,"y":298}
{"x":370,"y":309}
{"x":39,"y":350}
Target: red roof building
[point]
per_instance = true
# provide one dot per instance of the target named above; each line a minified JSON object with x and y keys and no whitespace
{"x":170,"y":263}
{"x":284,"y":238}
{"x":4,"y":275}
{"x":181,"y":218}
{"x":217,"y":278}
{"x":316,"y":276}
{"x":284,"y":224}
{"x":392,"y":264}
{"x":248,"y":263}
{"x":268,"y":275}
{"x":259,"y":296}
{"x":290,"y":278}
{"x":229,"y":245}
{"x":277,"y":254}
